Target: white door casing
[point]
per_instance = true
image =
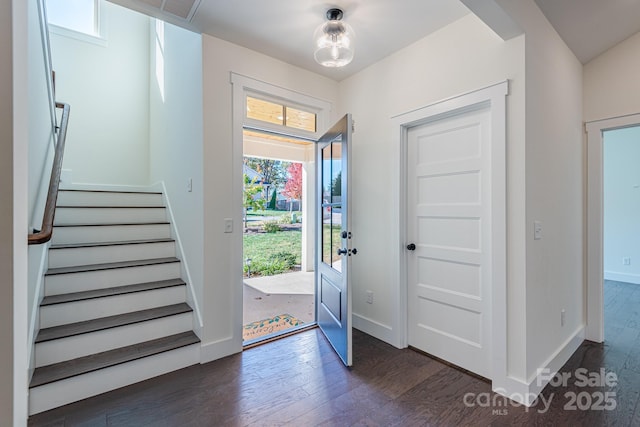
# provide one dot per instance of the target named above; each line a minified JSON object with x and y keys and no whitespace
{"x":492,"y":98}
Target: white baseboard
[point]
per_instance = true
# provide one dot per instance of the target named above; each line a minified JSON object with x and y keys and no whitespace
{"x":38,"y":295}
{"x":192,"y":297}
{"x":218,"y":349}
{"x":526,"y":392}
{"x":373,"y":328}
{"x":622,"y":277}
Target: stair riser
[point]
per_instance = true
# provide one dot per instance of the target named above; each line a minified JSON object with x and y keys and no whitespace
{"x":55,"y":351}
{"x":96,"y":198}
{"x":102,"y":234}
{"x":60,"y":393}
{"x":67,"y":257}
{"x":91,"y":280}
{"x":79,"y":311}
{"x":66,"y":216}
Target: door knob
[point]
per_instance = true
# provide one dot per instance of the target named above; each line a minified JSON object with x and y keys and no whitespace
{"x":411,"y":246}
{"x":342,"y":251}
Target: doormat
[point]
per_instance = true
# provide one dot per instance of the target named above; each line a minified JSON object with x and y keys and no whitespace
{"x":268,"y":326}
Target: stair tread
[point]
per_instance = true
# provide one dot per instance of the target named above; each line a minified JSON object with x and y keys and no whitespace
{"x":109,"y":266}
{"x":107,"y":292}
{"x":118,"y":243}
{"x":110,"y":191}
{"x":102,"y":323}
{"x":113,"y":225}
{"x":82,"y":365}
{"x":110,"y":207}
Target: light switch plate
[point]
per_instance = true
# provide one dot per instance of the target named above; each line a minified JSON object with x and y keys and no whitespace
{"x":537,"y":230}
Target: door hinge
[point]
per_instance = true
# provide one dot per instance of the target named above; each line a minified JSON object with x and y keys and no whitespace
{"x":353,"y":126}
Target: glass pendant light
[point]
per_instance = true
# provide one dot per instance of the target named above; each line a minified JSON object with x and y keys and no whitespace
{"x":334,"y":41}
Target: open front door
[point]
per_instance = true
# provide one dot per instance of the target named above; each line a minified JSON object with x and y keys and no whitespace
{"x":333,"y":237}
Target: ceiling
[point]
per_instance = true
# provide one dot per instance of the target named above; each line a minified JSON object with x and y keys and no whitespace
{"x":283,"y":29}
{"x":590,"y":27}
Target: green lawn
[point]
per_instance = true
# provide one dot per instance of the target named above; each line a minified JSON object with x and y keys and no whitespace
{"x":273,"y":253}
{"x":276,"y":253}
{"x":271,"y":212}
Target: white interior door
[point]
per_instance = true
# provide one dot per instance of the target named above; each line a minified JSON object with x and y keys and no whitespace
{"x":333,"y":238}
{"x":449,"y":233}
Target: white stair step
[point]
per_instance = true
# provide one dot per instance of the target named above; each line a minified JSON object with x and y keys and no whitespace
{"x":87,"y":278}
{"x":98,"y":233}
{"x":83,"y":254}
{"x":108,"y":198}
{"x":50,"y":352}
{"x":108,"y":215}
{"x":78,"y":311}
{"x":49,"y":395}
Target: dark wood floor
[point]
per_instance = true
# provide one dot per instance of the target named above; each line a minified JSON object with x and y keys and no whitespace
{"x":299,"y":381}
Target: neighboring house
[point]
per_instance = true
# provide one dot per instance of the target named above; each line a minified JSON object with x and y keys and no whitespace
{"x":189,"y":138}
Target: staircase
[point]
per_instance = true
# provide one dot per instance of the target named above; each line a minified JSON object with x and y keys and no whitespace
{"x":114,"y":310}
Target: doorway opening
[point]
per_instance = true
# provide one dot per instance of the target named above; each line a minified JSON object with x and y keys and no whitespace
{"x":621,"y":227}
{"x":278,"y":235}
{"x":606,"y":267}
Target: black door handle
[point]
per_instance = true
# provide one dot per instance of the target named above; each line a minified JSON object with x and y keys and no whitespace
{"x":342,"y":251}
{"x":411,"y":246}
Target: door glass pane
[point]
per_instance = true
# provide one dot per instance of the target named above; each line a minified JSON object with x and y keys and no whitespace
{"x":336,"y":172}
{"x":331,"y":205}
{"x":336,"y":240}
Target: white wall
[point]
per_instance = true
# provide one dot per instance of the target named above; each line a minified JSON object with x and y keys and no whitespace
{"x":108,"y":90}
{"x":554,"y":190}
{"x":41,"y":143}
{"x":621,"y":204}
{"x":223,"y":252}
{"x":611,"y":84}
{"x":6,"y":216}
{"x":41,"y":153}
{"x":175,"y":130}
{"x":14,"y":213}
{"x":459,"y":58}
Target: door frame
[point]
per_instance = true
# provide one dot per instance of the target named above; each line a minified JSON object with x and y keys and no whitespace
{"x":241,"y":87}
{"x":494,"y":97}
{"x":595,"y":214}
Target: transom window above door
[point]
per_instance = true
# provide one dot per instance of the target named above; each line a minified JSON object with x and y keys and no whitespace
{"x":280,"y":114}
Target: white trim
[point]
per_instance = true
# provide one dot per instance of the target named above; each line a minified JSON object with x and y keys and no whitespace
{"x":218,"y":349}
{"x":34,"y":324}
{"x":99,"y":25}
{"x":526,"y":392}
{"x":373,"y":328}
{"x":595,"y":211}
{"x":192,"y":298}
{"x":241,"y":86}
{"x":493,"y":96}
{"x":269,"y":92}
{"x":622,"y":277}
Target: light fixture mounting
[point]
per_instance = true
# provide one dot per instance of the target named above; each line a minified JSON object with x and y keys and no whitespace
{"x":334,"y":41}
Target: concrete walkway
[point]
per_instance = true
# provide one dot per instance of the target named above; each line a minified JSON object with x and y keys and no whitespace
{"x":289,"y":293}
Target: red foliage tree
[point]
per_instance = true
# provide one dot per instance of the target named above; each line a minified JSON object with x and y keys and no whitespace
{"x":293,"y":187}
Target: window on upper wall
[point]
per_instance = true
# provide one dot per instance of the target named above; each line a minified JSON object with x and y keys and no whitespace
{"x":280,"y":114}
{"x":75,"y":18}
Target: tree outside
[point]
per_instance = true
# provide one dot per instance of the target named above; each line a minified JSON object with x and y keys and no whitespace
{"x":293,"y":186}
